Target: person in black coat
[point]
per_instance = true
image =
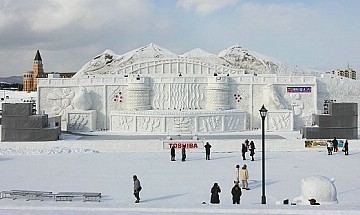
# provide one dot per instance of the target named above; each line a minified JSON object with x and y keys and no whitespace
{"x":346,"y":147}
{"x":335,"y":144}
{"x":137,"y":188}
{"x":172,"y":152}
{"x":244,"y":148}
{"x":183,"y":153}
{"x":236,"y":193}
{"x":215,"y":190}
{"x":207,"y":151}
{"x":252,"y":150}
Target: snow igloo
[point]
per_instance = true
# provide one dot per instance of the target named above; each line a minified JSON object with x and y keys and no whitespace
{"x":320,"y":188}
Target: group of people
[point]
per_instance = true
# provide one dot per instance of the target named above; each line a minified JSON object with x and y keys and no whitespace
{"x":207,"y":147}
{"x":248,"y":146}
{"x":173,"y":153}
{"x":240,"y":174}
{"x":245,"y":147}
{"x":333,"y":145}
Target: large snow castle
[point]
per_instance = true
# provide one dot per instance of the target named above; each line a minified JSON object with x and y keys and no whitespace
{"x":152,"y":90}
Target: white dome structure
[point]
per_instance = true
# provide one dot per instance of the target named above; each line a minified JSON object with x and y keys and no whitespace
{"x":320,"y":188}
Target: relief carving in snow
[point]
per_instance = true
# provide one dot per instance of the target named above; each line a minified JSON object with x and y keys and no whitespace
{"x":61,"y":98}
{"x":148,"y":124}
{"x":272,"y":98}
{"x":122,"y":123}
{"x":115,"y":98}
{"x":77,"y":122}
{"x":211,"y":123}
{"x":234,"y":123}
{"x":279,"y":121}
{"x":297,"y":104}
{"x":185,"y":96}
{"x":160,"y":96}
{"x":82,"y":99}
{"x":182,"y":124}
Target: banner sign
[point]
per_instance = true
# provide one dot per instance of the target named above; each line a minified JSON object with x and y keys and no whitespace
{"x":321,"y":143}
{"x":178,"y":144}
{"x":299,"y":89}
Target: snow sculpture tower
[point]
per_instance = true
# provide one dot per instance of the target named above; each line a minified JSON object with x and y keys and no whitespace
{"x":138,"y":93}
{"x":217,"y":93}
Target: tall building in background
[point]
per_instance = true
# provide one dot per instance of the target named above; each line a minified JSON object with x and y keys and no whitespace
{"x":348,"y":73}
{"x":30,"y":77}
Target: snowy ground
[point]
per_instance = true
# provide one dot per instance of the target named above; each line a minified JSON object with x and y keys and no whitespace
{"x":106,"y":165}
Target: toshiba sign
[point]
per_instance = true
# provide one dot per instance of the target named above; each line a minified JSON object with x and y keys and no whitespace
{"x":178,"y":144}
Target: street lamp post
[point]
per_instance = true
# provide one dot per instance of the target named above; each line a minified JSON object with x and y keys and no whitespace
{"x":263,"y":112}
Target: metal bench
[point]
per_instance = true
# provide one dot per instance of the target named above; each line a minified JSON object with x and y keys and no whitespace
{"x":29,"y":194}
{"x":68,"y":196}
{"x":92,"y":197}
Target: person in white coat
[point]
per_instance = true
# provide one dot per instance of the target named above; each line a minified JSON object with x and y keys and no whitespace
{"x":329,"y":147}
{"x":237,"y":175}
{"x":244,"y":175}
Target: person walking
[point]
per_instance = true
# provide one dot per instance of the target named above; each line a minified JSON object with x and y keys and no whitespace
{"x":244,"y":175}
{"x":172,"y":153}
{"x":244,"y":148}
{"x":346,"y":147}
{"x":207,"y":151}
{"x":252,"y":150}
{"x":236,"y":193}
{"x":137,"y":188}
{"x":335,"y":144}
{"x":329,"y":145}
{"x":183,"y":153}
{"x":215,"y":190}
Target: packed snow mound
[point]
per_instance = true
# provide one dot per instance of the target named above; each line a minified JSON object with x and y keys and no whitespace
{"x":109,"y":61}
{"x":242,"y":58}
{"x":236,"y":57}
{"x":147,"y":52}
{"x":320,"y":188}
{"x":98,"y":63}
{"x":200,"y":54}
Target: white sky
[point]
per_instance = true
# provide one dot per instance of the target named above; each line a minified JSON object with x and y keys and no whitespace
{"x":317,"y":34}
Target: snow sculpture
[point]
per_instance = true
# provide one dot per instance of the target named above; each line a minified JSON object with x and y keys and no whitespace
{"x":297,"y":104}
{"x":61,"y":102}
{"x":272,"y":98}
{"x":217,"y":91}
{"x":320,"y":188}
{"x":82,"y":99}
{"x":138,"y":93}
{"x":151,"y":89}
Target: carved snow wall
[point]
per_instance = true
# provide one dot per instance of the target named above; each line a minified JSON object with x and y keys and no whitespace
{"x":81,"y":121}
{"x":202,"y":103}
{"x":178,"y":122}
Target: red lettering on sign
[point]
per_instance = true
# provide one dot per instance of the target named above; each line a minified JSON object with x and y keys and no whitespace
{"x":178,"y":145}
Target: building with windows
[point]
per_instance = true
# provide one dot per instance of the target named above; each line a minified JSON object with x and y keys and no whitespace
{"x":30,"y":77}
{"x":348,"y":73}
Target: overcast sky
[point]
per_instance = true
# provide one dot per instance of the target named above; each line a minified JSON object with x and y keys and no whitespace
{"x":316,"y":34}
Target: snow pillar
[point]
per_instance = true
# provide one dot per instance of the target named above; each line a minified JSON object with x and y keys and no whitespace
{"x":217,"y":93}
{"x":138,"y":93}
